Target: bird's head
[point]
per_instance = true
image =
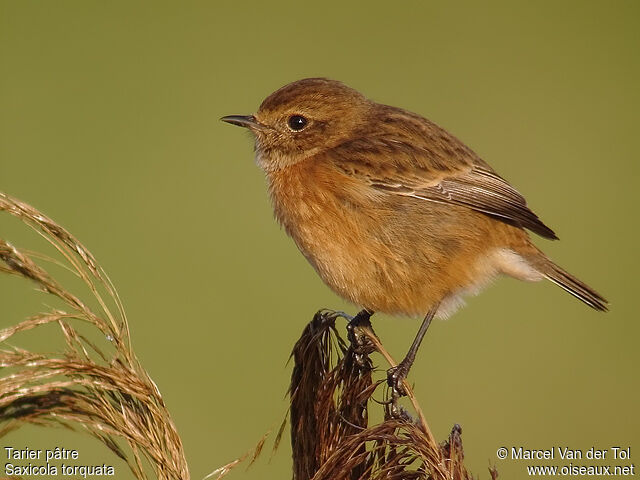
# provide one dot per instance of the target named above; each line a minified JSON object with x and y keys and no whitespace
{"x":302,"y":119}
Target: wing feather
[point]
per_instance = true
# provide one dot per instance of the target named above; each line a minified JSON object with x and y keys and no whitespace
{"x":422,"y":160}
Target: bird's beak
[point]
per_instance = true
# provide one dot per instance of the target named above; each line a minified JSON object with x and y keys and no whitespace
{"x":247,"y":121}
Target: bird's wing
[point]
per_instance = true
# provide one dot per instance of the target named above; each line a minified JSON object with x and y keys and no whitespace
{"x":438,"y":168}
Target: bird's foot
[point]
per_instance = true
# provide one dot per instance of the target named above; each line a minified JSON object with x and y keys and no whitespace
{"x":330,"y":316}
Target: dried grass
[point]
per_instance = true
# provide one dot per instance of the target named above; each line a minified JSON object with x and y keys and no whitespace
{"x":332,"y":391}
{"x":108,"y":395}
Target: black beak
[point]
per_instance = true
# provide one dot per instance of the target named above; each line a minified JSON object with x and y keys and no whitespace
{"x":247,"y":121}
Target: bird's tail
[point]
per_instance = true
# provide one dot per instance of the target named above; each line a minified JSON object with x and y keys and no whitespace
{"x":568,"y":282}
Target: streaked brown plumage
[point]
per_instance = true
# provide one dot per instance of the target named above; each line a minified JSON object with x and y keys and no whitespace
{"x":394,"y":213}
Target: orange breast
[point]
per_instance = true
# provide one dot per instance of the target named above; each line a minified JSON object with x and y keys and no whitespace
{"x":384,"y":252}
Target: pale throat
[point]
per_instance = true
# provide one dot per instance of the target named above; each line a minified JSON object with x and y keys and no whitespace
{"x":272,"y":160}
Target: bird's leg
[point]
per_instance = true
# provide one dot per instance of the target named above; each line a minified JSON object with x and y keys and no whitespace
{"x":397,"y":374}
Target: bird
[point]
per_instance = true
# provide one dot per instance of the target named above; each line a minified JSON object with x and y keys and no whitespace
{"x":394,"y":213}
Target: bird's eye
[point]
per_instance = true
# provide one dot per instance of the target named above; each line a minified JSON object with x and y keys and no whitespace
{"x":297,"y":122}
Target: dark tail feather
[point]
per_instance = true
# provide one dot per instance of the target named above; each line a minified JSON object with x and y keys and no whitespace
{"x":574,"y":286}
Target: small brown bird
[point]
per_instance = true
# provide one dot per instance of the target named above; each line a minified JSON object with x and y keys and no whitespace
{"x":394,"y":213}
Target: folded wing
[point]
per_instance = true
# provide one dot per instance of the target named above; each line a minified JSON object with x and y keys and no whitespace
{"x":437,"y":167}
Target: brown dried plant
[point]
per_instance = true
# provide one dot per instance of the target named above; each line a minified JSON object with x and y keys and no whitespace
{"x":332,"y":390}
{"x":109,"y":395}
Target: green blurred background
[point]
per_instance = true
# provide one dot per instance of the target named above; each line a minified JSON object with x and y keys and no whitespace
{"x":109,"y":123}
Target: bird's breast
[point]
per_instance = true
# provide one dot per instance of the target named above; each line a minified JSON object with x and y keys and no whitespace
{"x":323,"y":212}
{"x":351,"y":237}
{"x":329,"y":218}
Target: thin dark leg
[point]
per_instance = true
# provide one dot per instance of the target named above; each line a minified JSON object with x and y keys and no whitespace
{"x":396,"y":375}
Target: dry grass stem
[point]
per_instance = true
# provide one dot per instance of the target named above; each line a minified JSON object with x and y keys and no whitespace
{"x":332,"y":396}
{"x":108,"y":395}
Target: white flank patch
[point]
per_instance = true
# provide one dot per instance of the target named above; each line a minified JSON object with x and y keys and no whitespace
{"x":502,"y":260}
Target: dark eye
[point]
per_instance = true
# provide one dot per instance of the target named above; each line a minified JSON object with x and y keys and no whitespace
{"x":297,"y":122}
